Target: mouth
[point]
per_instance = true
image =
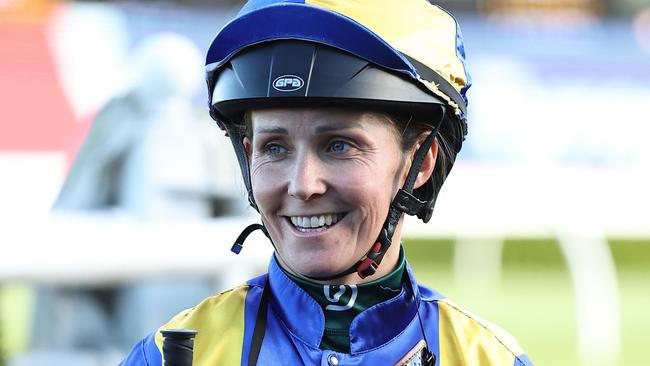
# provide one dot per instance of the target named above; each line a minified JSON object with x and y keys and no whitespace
{"x":317,"y":223}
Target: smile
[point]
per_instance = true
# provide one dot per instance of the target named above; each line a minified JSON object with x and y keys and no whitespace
{"x":317,"y":223}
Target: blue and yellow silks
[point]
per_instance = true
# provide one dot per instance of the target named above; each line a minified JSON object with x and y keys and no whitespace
{"x":381,"y":335}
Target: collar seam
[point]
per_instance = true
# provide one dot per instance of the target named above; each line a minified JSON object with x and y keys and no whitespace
{"x":394,"y":339}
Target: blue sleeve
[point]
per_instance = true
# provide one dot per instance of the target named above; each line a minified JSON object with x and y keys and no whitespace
{"x":523,"y":360}
{"x":144,"y":353}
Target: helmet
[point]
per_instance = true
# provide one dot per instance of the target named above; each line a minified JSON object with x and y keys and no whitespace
{"x":403,"y":57}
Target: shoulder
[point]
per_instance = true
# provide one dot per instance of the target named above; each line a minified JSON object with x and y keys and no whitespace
{"x":230,"y":301}
{"x":467,"y":339}
{"x":219,"y":321}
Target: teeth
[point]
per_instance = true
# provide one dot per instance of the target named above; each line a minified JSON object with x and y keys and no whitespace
{"x":308,"y":222}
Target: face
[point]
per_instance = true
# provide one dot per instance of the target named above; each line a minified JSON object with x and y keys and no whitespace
{"x":323,"y":180}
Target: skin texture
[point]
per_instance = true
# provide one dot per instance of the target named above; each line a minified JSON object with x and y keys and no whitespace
{"x":309,"y":162}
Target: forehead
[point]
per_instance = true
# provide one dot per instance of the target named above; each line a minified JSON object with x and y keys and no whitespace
{"x":318,"y":118}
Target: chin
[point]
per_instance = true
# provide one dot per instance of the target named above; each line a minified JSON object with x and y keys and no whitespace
{"x":318,"y":268}
{"x":321,"y":272}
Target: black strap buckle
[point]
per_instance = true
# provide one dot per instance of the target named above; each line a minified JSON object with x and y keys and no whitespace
{"x":408,"y":203}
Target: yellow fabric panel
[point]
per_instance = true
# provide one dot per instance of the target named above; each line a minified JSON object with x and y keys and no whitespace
{"x":465,"y":339}
{"x":414,"y":27}
{"x":219,"y":320}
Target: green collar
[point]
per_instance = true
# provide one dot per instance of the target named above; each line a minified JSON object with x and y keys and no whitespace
{"x":342,"y":303}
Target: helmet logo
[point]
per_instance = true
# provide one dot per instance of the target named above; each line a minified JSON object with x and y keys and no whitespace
{"x":287,"y":83}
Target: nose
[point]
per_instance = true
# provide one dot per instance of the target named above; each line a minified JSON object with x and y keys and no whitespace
{"x":307,"y":180}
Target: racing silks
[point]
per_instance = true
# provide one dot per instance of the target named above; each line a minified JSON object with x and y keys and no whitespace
{"x":388,"y":333}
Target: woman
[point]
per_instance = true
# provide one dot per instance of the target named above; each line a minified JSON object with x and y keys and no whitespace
{"x":344,"y":115}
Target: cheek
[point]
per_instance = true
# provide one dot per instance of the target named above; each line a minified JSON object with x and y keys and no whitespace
{"x":383,"y":183}
{"x":378,"y":176}
{"x":267,"y":183}
{"x":370,"y":188}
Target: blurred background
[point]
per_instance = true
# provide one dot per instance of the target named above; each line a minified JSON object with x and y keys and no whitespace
{"x":119,"y":198}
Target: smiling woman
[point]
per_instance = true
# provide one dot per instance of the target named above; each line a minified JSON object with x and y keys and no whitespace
{"x":344,"y":117}
{"x":323,"y":180}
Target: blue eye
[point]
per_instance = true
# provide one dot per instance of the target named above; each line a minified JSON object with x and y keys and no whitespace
{"x":275,"y":149}
{"x":339,"y":146}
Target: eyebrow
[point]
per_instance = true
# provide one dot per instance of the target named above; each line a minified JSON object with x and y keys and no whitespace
{"x":273,"y":130}
{"x":338,"y":126}
{"x":334,"y":126}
